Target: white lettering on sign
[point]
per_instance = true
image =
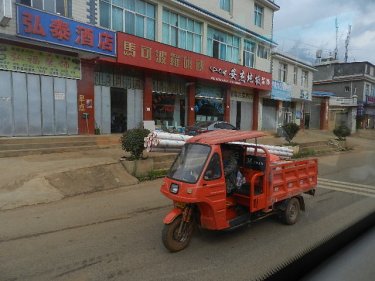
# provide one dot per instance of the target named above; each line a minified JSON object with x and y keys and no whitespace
{"x":218,"y":70}
{"x":239,"y":77}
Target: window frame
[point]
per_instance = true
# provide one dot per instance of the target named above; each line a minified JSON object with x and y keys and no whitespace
{"x":283,"y":72}
{"x":218,"y":166}
{"x":226,"y":5}
{"x":262,"y":52}
{"x":220,"y":40}
{"x":67,"y":6}
{"x":249,"y":53}
{"x":258,"y":15}
{"x":295,"y":75}
{"x":179,"y":28}
{"x":304,"y":78}
{"x":132,"y":14}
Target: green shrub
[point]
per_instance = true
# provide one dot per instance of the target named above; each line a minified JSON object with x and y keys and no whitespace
{"x":133,"y":141}
{"x":290,"y":131}
{"x":341,"y":132}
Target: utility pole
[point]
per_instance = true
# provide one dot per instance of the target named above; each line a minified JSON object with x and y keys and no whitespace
{"x":347,"y":40}
{"x":337,"y":35}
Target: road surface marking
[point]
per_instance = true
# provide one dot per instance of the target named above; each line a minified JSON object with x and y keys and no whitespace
{"x":361,"y":189}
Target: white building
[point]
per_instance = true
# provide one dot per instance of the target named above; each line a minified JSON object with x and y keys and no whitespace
{"x":290,"y":98}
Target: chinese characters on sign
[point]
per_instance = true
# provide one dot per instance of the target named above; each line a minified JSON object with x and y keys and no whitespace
{"x":58,"y":30}
{"x":140,"y":52}
{"x":241,"y":76}
{"x":160,"y":57}
{"x":82,"y":103}
{"x":20,"y":59}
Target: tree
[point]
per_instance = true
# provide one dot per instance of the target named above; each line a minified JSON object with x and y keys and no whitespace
{"x":290,"y":131}
{"x":133,"y":141}
{"x":341,"y":132}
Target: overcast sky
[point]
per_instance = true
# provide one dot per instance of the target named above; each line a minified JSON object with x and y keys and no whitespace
{"x":301,"y":27}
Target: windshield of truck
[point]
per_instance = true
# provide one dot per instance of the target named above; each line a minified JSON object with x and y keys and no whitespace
{"x":189,"y":163}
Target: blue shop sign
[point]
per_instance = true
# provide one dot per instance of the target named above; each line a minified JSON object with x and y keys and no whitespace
{"x":281,"y":91}
{"x":55,"y":29}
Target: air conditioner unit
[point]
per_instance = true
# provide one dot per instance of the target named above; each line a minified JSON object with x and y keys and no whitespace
{"x":5,"y":12}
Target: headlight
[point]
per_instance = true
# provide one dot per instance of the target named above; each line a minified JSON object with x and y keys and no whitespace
{"x":174,"y":188}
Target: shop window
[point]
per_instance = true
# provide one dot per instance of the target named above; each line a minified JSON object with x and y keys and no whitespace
{"x":135,"y":17}
{"x":258,"y":15}
{"x":225,"y":5}
{"x":61,"y":7}
{"x":222,"y":45}
{"x":249,"y":53}
{"x":182,"y":32}
{"x":207,"y":109}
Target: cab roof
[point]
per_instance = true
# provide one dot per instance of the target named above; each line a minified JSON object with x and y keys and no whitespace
{"x":224,"y":136}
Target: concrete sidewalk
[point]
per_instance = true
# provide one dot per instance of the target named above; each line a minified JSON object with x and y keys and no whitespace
{"x":35,"y":179}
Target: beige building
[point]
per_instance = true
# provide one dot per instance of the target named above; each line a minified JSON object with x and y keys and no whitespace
{"x":290,"y":99}
{"x":233,"y":39}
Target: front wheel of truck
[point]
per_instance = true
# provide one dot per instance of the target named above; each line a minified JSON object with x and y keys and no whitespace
{"x":291,"y":213}
{"x":177,"y":235}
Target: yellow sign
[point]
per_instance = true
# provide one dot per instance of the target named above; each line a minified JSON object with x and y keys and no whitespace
{"x":21,"y":59}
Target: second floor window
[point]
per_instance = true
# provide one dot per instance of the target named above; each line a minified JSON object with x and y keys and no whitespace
{"x":62,"y":7}
{"x":135,"y":17}
{"x":283,"y":72}
{"x":222,"y":45}
{"x":304,"y":78}
{"x":225,"y":5}
{"x":249,"y":53}
{"x":182,"y":32}
{"x":262,"y":52}
{"x":258,"y":15}
{"x":295,"y":75}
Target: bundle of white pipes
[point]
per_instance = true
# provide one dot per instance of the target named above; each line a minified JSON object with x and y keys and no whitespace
{"x":164,"y":142}
{"x":273,"y":149}
{"x":167,"y":142}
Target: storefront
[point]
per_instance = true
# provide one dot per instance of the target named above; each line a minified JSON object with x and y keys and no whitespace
{"x":241,"y":104}
{"x":277,"y":107}
{"x":42,"y":88}
{"x":181,"y":87}
{"x":369,"y":113}
{"x":38,"y":92}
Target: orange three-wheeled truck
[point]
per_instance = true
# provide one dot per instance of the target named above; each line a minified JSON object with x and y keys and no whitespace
{"x":265,"y":185}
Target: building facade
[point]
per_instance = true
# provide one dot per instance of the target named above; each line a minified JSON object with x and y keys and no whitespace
{"x":290,"y":98}
{"x":170,"y":62}
{"x":354,"y":87}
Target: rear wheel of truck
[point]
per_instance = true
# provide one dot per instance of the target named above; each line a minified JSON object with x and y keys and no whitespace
{"x":291,"y":213}
{"x":177,"y":235}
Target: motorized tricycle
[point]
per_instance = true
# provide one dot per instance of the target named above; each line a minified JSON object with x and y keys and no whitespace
{"x":198,"y":185}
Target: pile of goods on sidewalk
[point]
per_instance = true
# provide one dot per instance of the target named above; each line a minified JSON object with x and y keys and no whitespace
{"x":159,"y":141}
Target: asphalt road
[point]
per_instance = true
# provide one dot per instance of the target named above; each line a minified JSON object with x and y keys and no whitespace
{"x":116,"y":235}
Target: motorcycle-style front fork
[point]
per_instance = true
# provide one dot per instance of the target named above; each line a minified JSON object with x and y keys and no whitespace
{"x":186,"y":220}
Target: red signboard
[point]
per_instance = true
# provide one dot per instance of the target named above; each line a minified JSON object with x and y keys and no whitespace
{"x":144,"y":53}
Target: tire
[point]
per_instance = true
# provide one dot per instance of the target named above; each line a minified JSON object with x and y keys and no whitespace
{"x":291,"y":213}
{"x":170,"y":235}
